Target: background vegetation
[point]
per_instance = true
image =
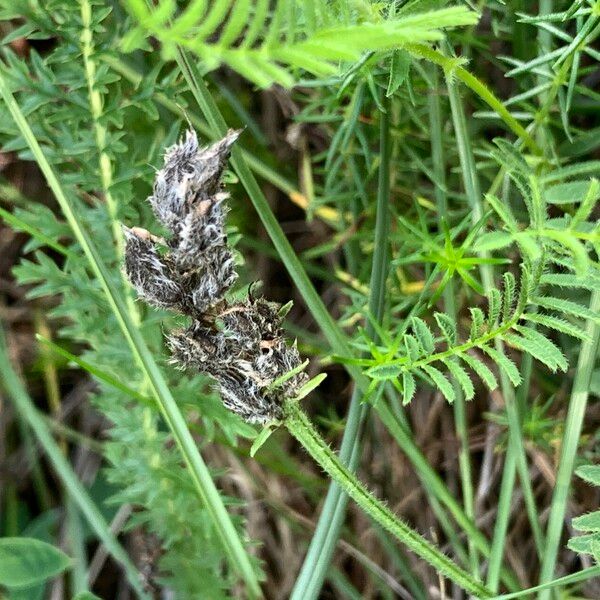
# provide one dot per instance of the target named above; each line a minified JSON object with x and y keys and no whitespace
{"x":420,"y":180}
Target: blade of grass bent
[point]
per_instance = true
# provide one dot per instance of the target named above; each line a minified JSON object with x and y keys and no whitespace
{"x":27,"y":411}
{"x":202,"y":480}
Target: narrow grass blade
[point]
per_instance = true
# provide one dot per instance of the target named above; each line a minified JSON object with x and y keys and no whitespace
{"x":570,"y":442}
{"x":29,"y":414}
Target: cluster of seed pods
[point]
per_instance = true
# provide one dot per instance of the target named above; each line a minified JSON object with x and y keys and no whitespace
{"x":239,"y":344}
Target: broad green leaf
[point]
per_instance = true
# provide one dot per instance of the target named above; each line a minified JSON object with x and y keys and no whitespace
{"x":385,"y":372}
{"x":447,"y":327}
{"x":413,"y":349}
{"x":569,"y":280}
{"x":477,"y":320}
{"x":494,"y":305}
{"x":508,"y":296}
{"x":309,"y":386}
{"x":409,"y":387}
{"x":539,"y":346}
{"x":493,"y":240}
{"x":399,"y":68}
{"x":260,"y":439}
{"x":557,"y":324}
{"x":504,"y":212}
{"x":589,"y":522}
{"x":582,"y":543}
{"x":26,"y":561}
{"x":569,"y":193}
{"x":589,"y":473}
{"x":504,"y":363}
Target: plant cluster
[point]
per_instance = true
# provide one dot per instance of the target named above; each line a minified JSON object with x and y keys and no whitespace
{"x":447,"y":169}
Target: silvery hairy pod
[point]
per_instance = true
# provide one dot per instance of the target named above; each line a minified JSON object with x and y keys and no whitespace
{"x":196,"y":266}
{"x":241,"y":344}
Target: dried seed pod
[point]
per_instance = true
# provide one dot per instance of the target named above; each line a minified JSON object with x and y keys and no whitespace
{"x":241,"y":345}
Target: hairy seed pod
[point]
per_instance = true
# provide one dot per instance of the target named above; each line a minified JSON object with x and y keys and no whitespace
{"x":240,"y":345}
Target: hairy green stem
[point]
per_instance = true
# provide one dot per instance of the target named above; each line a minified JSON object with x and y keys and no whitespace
{"x":575,"y":415}
{"x":204,"y":486}
{"x":302,"y":429}
{"x":321,"y":548}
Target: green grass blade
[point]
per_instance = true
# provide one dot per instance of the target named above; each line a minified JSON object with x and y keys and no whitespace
{"x":203,"y":483}
{"x":570,"y":442}
{"x":29,"y":414}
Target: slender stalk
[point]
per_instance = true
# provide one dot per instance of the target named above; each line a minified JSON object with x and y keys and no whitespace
{"x":570,"y":442}
{"x":453,"y":69}
{"x":302,"y":429}
{"x":201,"y":478}
{"x":30,"y":415}
{"x":105,"y":165}
{"x":96,"y":109}
{"x":316,"y":563}
{"x":509,"y":472}
{"x":460,"y":420}
{"x":583,"y":575}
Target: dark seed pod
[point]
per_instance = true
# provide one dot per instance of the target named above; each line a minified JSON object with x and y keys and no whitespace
{"x":241,"y":345}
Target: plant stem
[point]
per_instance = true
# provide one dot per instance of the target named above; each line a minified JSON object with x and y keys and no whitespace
{"x":30,"y":415}
{"x":437,"y":155}
{"x":321,"y":548}
{"x":204,"y":485}
{"x":302,"y":429}
{"x":570,"y":442}
{"x":100,"y":133}
{"x":477,"y":86}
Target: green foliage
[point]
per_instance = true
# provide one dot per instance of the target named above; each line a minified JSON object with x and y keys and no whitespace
{"x":139,"y":453}
{"x":277,"y":47}
{"x":457,"y":314}
{"x":416,"y":352}
{"x":25,"y":562}
{"x":589,"y":524}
